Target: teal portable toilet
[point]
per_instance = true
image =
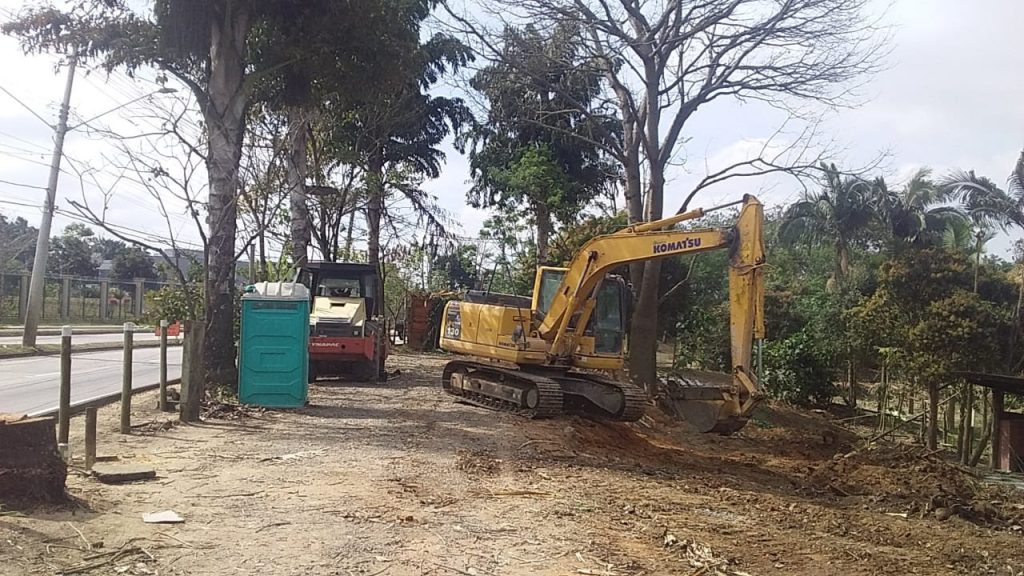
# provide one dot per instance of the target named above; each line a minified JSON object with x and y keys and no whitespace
{"x":273,"y":362}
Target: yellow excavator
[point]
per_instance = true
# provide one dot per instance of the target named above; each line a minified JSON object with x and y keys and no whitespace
{"x":542,"y":356}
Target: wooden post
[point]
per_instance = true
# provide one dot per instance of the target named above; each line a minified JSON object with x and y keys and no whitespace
{"x":192,"y":377}
{"x":997,"y":418}
{"x":64,"y":407}
{"x":126,"y":380}
{"x":90,"y":437}
{"x":163,"y":365}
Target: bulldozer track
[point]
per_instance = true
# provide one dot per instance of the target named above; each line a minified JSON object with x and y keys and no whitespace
{"x":549,"y":393}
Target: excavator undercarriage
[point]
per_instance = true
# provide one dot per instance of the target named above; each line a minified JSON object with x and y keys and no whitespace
{"x":543,"y":394}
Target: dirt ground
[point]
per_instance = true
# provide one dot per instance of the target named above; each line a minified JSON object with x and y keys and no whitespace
{"x":399,"y":479}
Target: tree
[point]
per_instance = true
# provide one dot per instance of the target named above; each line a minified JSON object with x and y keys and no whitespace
{"x":839,"y":215}
{"x":108,"y":248}
{"x":664,"y":61}
{"x":203,"y":44}
{"x":322,"y":61}
{"x":17,"y":244}
{"x":533,"y":149}
{"x":213,"y":48}
{"x":924,"y":310}
{"x":457,"y":269}
{"x":397,"y":135}
{"x":71,"y":253}
{"x":918,"y":212}
{"x":985,"y":200}
{"x":132,"y":263}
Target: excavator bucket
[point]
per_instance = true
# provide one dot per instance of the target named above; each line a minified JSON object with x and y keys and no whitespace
{"x":706,"y":401}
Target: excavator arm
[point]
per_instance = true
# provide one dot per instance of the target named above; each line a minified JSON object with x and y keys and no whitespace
{"x":651,"y":240}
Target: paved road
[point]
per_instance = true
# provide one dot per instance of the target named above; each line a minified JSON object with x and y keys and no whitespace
{"x":31,"y":385}
{"x":115,"y":338}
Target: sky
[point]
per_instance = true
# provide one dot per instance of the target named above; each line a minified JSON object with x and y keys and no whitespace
{"x":951,"y":96}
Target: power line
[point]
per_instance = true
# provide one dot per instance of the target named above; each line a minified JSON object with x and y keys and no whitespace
{"x":16,"y":203}
{"x":42,"y":149}
{"x":26,"y":106}
{"x":8,"y":182}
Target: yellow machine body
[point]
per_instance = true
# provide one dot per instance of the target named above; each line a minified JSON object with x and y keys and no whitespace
{"x":576,"y":318}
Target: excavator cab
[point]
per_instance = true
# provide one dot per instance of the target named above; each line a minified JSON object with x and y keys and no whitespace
{"x":602,"y":343}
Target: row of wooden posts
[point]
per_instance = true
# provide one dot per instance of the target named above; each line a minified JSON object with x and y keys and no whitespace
{"x":64,"y":406}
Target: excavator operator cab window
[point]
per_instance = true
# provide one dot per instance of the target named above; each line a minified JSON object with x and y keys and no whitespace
{"x":547,"y":285}
{"x":607,"y":323}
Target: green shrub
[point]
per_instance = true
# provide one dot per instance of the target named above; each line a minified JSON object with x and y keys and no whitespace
{"x":796,"y":371}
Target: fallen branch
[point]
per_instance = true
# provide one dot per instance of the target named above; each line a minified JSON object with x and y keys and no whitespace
{"x":78,"y":568}
{"x":88,"y":546}
{"x":269,"y":526}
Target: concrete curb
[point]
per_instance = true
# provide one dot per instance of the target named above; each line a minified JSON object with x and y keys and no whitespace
{"x":103,"y":400}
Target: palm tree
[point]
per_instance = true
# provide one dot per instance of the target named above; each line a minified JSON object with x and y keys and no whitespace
{"x":917,"y":212}
{"x":985,"y":201}
{"x":839,"y":214}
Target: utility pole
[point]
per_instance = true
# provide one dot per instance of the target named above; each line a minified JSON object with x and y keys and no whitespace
{"x":35,"y":290}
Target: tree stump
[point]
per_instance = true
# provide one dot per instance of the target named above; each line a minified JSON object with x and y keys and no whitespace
{"x":31,"y":470}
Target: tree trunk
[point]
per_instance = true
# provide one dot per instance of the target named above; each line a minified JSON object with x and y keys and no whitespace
{"x":348,"y":234}
{"x":933,"y":415}
{"x":31,"y":471}
{"x":883,"y":397}
{"x":842,"y":263}
{"x":950,"y":420}
{"x":374,"y":209}
{"x":635,"y":209}
{"x":961,"y":433}
{"x":997,"y":417}
{"x":543,"y":215}
{"x":296,"y":170}
{"x":263,"y":257}
{"x":968,"y":424}
{"x":225,"y":127}
{"x":643,"y":336}
{"x":851,"y":383}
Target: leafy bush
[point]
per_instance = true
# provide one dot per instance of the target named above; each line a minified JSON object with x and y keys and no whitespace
{"x":174,"y":304}
{"x":796,"y":371}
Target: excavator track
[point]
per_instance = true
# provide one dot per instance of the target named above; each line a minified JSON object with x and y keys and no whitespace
{"x":507,"y":390}
{"x":548,"y":392}
{"x":634,"y":399}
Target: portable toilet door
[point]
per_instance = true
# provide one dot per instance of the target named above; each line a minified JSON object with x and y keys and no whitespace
{"x":273,"y":361}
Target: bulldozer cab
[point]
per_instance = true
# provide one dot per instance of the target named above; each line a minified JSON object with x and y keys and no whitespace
{"x":608,"y":321}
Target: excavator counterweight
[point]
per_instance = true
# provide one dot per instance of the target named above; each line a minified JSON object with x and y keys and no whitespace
{"x":541,"y":356}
